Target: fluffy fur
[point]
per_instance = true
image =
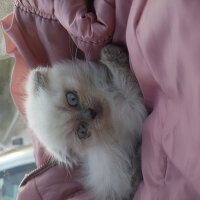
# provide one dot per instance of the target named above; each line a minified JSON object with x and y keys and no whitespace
{"x":109,"y":157}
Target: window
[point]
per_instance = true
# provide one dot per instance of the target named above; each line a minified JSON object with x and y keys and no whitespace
{"x":10,"y":180}
{"x":7,"y":108}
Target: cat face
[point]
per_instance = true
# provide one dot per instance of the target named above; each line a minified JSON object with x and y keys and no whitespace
{"x":69,"y":108}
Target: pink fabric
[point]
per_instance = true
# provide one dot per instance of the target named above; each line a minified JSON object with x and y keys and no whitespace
{"x":164,"y":43}
{"x":164,"y":48}
{"x":56,"y":183}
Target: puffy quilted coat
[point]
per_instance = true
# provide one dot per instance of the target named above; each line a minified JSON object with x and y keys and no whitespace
{"x":163,"y":41}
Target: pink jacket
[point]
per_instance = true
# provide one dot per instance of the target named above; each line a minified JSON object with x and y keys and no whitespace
{"x":164,"y":43}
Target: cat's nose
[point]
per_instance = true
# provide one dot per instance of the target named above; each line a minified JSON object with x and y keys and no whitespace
{"x":92,"y":113}
{"x":88,"y":114}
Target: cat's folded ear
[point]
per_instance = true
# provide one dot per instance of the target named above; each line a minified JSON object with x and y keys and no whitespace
{"x":41,"y":78}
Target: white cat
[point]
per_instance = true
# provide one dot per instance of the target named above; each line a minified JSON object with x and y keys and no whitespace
{"x":91,"y":114}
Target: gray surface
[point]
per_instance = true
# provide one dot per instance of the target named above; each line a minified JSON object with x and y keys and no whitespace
{"x":6,"y":6}
{"x":7,"y":108}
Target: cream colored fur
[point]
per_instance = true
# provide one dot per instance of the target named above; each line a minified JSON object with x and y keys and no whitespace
{"x":110,"y":156}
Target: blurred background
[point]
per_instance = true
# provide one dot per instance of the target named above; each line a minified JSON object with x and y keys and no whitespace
{"x":16,"y":153}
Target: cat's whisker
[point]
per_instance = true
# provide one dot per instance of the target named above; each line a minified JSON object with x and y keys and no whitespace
{"x":89,"y":52}
{"x":76,"y":53}
{"x":70,"y":49}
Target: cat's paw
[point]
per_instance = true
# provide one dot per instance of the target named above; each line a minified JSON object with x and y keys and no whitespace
{"x":113,"y":53}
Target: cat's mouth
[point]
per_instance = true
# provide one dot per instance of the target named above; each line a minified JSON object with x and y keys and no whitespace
{"x":68,"y":159}
{"x":71,"y":158}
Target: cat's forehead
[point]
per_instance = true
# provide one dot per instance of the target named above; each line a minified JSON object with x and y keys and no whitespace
{"x":67,"y":79}
{"x":80,"y":76}
{"x":63,"y":77}
{"x":75,"y":74}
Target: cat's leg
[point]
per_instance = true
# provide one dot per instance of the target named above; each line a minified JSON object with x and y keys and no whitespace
{"x":117,"y":61}
{"x":115,"y":55}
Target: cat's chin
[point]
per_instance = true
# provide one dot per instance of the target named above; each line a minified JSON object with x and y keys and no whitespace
{"x":61,"y":157}
{"x":66,"y":161}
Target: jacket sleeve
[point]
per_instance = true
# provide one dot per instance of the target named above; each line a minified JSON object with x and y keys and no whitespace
{"x":51,"y":183}
{"x":95,"y":29}
{"x":29,"y":191}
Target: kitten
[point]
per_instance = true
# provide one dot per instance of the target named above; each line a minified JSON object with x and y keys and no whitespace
{"x":91,"y":114}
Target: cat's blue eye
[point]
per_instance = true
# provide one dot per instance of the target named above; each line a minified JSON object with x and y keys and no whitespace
{"x":72,"y":99}
{"x":82,"y":132}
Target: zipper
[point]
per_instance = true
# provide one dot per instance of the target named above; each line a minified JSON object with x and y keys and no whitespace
{"x":46,"y":165}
